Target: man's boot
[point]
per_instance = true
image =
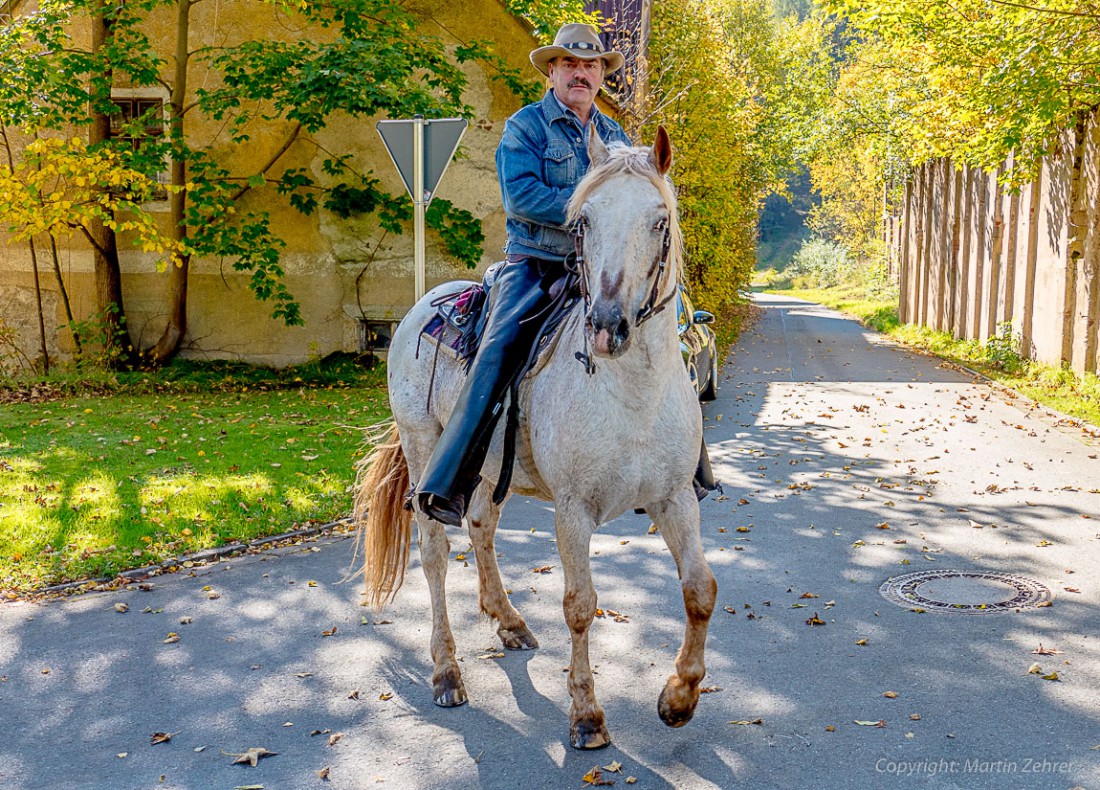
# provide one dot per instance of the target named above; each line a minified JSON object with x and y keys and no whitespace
{"x":704,"y":481}
{"x":454,"y":469}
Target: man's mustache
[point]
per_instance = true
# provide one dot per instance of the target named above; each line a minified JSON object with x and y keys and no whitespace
{"x":578,"y":81}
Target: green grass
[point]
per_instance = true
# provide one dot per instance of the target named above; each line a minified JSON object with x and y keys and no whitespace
{"x":1059,"y":388}
{"x":160,"y":466}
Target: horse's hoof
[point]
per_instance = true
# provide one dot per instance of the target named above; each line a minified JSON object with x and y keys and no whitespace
{"x":588,"y":735}
{"x":451,"y":698}
{"x":447,"y":689}
{"x":517,"y":639}
{"x":676,"y":705}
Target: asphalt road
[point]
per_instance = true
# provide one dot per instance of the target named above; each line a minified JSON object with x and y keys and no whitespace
{"x":846,"y":462}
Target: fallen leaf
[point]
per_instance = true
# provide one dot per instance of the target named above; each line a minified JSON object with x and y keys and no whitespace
{"x":630,"y":780}
{"x":914,"y":716}
{"x":1046,"y":651}
{"x":595,"y":778}
{"x":815,"y":620}
{"x":1042,"y":604}
{"x":354,"y":694}
{"x":330,"y":632}
{"x":492,"y":655}
{"x":861,"y":642}
{"x":1035,"y":669}
{"x":303,"y":674}
{"x":249,"y":787}
{"x":122,"y":608}
{"x":386,"y":695}
{"x":1071,"y":589}
{"x":161,"y":737}
{"x":616,"y":767}
{"x":323,"y":773}
{"x":890,"y":694}
{"x":809,"y":595}
{"x":335,"y":738}
{"x":747,"y":721}
{"x":542,"y":569}
{"x":185,"y":621}
{"x":1050,"y":676}
{"x":879,"y":723}
{"x":251,"y":757}
{"x":709,"y":689}
{"x":830,"y":728}
{"x":883,"y":525}
{"x":173,"y":637}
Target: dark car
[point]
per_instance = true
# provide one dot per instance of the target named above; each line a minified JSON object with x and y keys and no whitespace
{"x":698,"y":346}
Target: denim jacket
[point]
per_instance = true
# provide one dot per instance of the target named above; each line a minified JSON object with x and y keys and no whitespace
{"x":541,"y":158}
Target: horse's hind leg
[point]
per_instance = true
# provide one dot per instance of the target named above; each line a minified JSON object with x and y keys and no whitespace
{"x":678,"y":520}
{"x":447,"y":688}
{"x":587,"y":727}
{"x":483,"y":517}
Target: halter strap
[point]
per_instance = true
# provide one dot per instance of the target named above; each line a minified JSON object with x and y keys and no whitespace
{"x":651,"y":307}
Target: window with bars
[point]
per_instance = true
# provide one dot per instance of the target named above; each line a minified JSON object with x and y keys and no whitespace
{"x":151,"y":112}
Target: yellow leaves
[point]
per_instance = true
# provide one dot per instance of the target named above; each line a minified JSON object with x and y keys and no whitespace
{"x":815,"y":620}
{"x":890,"y":694}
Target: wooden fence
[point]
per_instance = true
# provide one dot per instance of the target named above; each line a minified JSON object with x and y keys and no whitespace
{"x":974,"y":255}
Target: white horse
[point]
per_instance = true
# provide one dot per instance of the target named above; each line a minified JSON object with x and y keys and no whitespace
{"x":625,"y":435}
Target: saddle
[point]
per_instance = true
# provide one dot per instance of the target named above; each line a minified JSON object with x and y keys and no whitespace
{"x":459,"y":323}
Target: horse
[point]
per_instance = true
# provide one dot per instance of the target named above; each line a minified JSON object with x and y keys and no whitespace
{"x":638,"y":449}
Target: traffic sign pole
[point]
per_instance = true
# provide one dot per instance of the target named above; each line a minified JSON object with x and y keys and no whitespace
{"x":418,"y":207}
{"x":421,"y":150}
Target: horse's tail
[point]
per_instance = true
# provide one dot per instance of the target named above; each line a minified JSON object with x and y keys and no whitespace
{"x":380,"y":513}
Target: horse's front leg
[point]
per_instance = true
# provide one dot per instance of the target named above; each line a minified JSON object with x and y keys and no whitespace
{"x":587,"y":728}
{"x":483,"y":518}
{"x":678,"y":520}
{"x":447,"y":688}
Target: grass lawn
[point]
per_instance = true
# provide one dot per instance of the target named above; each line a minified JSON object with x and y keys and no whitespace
{"x":93,"y":485}
{"x":1058,"y":388}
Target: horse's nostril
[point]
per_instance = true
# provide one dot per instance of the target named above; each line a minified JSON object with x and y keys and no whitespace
{"x":623,"y":329}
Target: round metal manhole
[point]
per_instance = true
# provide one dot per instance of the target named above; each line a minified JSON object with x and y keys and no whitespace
{"x":964,"y":592}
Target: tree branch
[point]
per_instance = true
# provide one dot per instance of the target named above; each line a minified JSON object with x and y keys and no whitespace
{"x":271,"y":162}
{"x":1055,"y":11}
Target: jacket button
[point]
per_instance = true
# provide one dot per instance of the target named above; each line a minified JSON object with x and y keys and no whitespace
{"x":578,"y":139}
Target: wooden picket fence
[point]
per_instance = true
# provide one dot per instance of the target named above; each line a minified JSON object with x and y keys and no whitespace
{"x":976,"y":258}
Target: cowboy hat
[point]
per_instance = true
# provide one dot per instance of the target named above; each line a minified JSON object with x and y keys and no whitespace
{"x":576,"y":41}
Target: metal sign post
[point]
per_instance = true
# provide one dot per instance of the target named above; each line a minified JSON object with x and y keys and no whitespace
{"x":421,"y":150}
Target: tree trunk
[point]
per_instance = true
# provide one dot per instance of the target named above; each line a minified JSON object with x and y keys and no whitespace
{"x":108,"y":274}
{"x":176,"y":327}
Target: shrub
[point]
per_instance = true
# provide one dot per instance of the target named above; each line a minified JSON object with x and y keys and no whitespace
{"x":820,"y":264}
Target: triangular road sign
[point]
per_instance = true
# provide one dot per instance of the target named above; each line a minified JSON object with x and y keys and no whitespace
{"x":441,"y":137}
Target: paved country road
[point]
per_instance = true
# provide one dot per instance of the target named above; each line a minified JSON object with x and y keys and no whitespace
{"x":846,"y":462}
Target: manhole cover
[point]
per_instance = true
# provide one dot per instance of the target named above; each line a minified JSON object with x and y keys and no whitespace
{"x":964,"y":592}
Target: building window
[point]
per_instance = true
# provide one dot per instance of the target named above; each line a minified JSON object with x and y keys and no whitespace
{"x":375,"y":336}
{"x":150,"y":111}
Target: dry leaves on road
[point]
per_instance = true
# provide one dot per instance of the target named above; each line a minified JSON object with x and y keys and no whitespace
{"x":250,"y":757}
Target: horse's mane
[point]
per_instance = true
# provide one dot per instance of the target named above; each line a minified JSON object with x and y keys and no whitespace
{"x":636,"y":161}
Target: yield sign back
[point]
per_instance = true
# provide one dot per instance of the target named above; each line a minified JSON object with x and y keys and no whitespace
{"x":441,"y":136}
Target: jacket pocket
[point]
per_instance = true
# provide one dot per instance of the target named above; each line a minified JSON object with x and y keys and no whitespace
{"x":560,"y":164}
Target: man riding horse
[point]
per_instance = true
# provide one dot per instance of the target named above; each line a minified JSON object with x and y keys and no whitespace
{"x":542,"y":156}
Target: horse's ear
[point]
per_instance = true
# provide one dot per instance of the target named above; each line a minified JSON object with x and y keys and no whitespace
{"x":661,"y":153}
{"x":597,"y":151}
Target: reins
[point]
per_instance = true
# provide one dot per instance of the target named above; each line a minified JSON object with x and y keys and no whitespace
{"x":652,"y":306}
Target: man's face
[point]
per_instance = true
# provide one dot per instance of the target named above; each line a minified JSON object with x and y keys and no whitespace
{"x":576,"y":82}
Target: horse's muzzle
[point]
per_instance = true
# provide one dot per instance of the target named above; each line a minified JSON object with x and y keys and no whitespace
{"x":608,"y":330}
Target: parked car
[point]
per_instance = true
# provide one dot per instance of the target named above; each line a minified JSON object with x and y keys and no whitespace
{"x":698,"y":345}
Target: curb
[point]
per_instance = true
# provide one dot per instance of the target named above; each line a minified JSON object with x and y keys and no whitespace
{"x":104,"y":583}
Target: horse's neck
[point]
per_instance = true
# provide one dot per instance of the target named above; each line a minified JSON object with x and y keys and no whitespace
{"x":646,"y":368}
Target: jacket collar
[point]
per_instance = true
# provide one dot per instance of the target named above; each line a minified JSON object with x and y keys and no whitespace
{"x":554,"y":110}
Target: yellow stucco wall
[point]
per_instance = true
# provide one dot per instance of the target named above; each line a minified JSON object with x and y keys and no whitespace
{"x":325,"y":254}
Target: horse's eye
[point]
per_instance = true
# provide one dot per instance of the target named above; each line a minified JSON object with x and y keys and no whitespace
{"x":662,"y":223}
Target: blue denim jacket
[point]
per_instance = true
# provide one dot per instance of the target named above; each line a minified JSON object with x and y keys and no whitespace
{"x":540,"y":160}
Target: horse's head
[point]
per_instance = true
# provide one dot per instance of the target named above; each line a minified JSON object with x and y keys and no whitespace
{"x":625,"y":215}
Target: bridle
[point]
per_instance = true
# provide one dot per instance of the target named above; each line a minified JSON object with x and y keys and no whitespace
{"x":653,"y":305}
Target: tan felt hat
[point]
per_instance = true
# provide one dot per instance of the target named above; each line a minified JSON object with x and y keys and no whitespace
{"x":576,"y":41}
